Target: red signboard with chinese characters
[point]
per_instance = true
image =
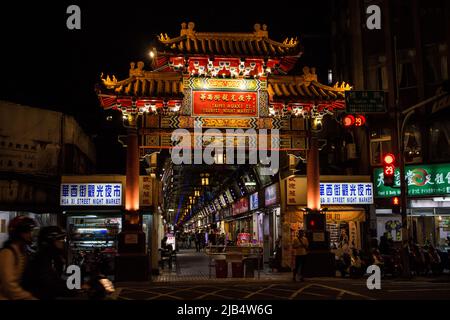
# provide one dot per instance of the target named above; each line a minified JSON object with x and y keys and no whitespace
{"x":225,"y":103}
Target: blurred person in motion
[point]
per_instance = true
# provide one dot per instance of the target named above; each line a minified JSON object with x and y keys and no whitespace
{"x":14,"y":259}
{"x":300,"y":246}
{"x":43,"y":275}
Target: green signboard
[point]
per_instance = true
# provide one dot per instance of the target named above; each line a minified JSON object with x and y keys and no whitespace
{"x":365,"y":101}
{"x":422,"y":181}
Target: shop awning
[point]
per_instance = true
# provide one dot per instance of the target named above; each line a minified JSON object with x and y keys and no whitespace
{"x":339,"y":214}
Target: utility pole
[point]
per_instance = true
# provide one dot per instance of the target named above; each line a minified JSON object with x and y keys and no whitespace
{"x":400,"y":149}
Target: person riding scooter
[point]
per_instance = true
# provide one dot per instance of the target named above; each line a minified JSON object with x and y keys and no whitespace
{"x":43,"y":276}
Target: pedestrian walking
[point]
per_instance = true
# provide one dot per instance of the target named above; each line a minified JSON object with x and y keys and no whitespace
{"x":300,"y":247}
{"x":197,"y":241}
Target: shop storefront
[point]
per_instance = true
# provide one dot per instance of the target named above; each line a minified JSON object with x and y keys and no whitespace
{"x":428,"y":206}
{"x":93,"y":214}
{"x":88,"y":232}
{"x":257,"y":218}
{"x":93,"y":208}
{"x":242,"y":222}
{"x":346,"y":201}
{"x":271,"y":219}
{"x":227,"y":216}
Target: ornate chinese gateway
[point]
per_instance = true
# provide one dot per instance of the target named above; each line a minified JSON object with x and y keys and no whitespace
{"x":212,"y":80}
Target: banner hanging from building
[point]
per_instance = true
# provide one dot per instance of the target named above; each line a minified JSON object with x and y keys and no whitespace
{"x":145,"y":190}
{"x":422,"y":180}
{"x":91,"y":194}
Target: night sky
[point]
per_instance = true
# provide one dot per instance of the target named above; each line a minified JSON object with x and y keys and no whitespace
{"x":43,"y":64}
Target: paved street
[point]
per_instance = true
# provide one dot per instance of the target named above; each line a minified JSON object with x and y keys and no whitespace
{"x":311,"y":289}
{"x":194,"y":266}
{"x":190,"y":280}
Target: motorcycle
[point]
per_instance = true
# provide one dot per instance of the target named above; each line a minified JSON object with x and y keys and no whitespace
{"x":393,"y":263}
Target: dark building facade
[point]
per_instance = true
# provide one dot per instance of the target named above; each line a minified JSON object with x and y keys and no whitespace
{"x":37,"y":146}
{"x":408,"y":58}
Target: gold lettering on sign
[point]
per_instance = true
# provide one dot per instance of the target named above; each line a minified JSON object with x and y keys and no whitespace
{"x":240,"y":84}
{"x":226,"y":123}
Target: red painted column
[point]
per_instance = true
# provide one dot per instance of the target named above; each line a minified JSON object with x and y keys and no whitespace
{"x":132,"y":178}
{"x":131,"y":261}
{"x":313,"y":175}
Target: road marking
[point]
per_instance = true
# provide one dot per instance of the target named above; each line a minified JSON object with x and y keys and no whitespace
{"x":299,"y":291}
{"x":339,"y":297}
{"x":170,"y":293}
{"x":406,"y":290}
{"x":314,"y":294}
{"x":256,"y":292}
{"x":165,"y":295}
{"x":116,"y":293}
{"x":346,"y":291}
{"x":210,"y":293}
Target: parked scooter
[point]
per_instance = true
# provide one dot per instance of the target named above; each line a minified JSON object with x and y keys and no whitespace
{"x":357,"y":266}
{"x":378,"y":260}
{"x":393,"y":265}
{"x":435,"y":262}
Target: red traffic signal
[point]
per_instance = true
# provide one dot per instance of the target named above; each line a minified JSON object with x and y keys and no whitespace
{"x":388,"y":158}
{"x":389,"y":169}
{"x":348,"y":121}
{"x":351,"y":120}
{"x":360,"y":120}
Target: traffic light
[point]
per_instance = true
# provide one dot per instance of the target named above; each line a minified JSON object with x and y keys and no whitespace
{"x":350,"y":121}
{"x":360,"y":120}
{"x":396,"y":205}
{"x":389,"y":169}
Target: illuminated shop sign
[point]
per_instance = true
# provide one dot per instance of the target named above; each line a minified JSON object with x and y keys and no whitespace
{"x":223,"y":203}
{"x":254,"y":201}
{"x":91,"y":194}
{"x":271,"y":195}
{"x":330,"y":192}
{"x":422,"y":180}
{"x":346,"y":193}
{"x":217,"y":204}
{"x":240,"y":206}
{"x":229,"y":196}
